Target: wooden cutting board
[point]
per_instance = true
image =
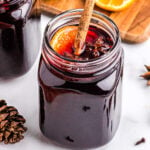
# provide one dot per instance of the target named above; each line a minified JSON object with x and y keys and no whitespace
{"x":133,"y":23}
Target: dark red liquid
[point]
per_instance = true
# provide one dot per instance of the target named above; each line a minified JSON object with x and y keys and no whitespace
{"x":19,"y":38}
{"x":79,"y":114}
{"x":97,"y":43}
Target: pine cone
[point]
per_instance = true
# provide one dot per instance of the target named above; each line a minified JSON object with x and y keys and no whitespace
{"x":11,"y":124}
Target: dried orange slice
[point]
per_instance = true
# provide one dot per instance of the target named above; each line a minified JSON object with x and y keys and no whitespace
{"x":63,"y":39}
{"x":114,"y":5}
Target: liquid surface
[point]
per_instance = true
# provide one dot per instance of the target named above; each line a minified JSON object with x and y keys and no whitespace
{"x":19,"y":38}
{"x":97,"y":43}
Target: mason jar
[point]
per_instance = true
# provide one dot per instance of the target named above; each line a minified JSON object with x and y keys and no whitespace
{"x":80,"y":101}
{"x":19,"y":36}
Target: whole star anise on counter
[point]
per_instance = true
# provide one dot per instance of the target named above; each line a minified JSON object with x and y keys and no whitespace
{"x":147,"y":75}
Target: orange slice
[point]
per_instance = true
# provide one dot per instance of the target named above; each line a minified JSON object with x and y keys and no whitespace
{"x":63,"y":39}
{"x":114,"y":5}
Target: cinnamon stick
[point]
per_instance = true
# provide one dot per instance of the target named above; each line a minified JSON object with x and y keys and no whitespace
{"x":83,"y":27}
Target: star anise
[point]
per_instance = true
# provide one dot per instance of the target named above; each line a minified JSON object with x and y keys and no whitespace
{"x":147,"y":75}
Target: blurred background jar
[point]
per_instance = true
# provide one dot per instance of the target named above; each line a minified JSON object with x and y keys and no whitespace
{"x":19,"y":36}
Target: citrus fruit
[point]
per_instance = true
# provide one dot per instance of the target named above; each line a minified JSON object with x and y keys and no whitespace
{"x":63,"y":39}
{"x":114,"y":5}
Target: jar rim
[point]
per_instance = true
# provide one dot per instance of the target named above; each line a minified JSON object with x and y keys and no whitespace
{"x":102,"y":58}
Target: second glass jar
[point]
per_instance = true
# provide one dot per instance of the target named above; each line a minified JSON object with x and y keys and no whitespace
{"x":19,"y":36}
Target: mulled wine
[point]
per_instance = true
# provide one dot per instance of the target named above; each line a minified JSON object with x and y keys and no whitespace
{"x":97,"y":43}
{"x":80,"y":96}
{"x":19,"y":36}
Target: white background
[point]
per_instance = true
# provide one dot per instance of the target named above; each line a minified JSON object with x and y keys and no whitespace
{"x":135,"y":123}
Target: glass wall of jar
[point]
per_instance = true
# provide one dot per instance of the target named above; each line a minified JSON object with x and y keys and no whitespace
{"x":19,"y":36}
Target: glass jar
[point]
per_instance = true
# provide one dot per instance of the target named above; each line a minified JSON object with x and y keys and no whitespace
{"x":19,"y":36}
{"x":80,"y":101}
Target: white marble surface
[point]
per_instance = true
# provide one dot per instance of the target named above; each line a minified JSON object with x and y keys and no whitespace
{"x":135,"y":123}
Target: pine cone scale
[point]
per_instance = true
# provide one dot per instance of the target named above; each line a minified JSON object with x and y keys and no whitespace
{"x":13,"y":113}
{"x":2,"y":103}
{"x":1,"y":136}
{"x":3,"y":116}
{"x":3,"y":108}
{"x":3,"y":123}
